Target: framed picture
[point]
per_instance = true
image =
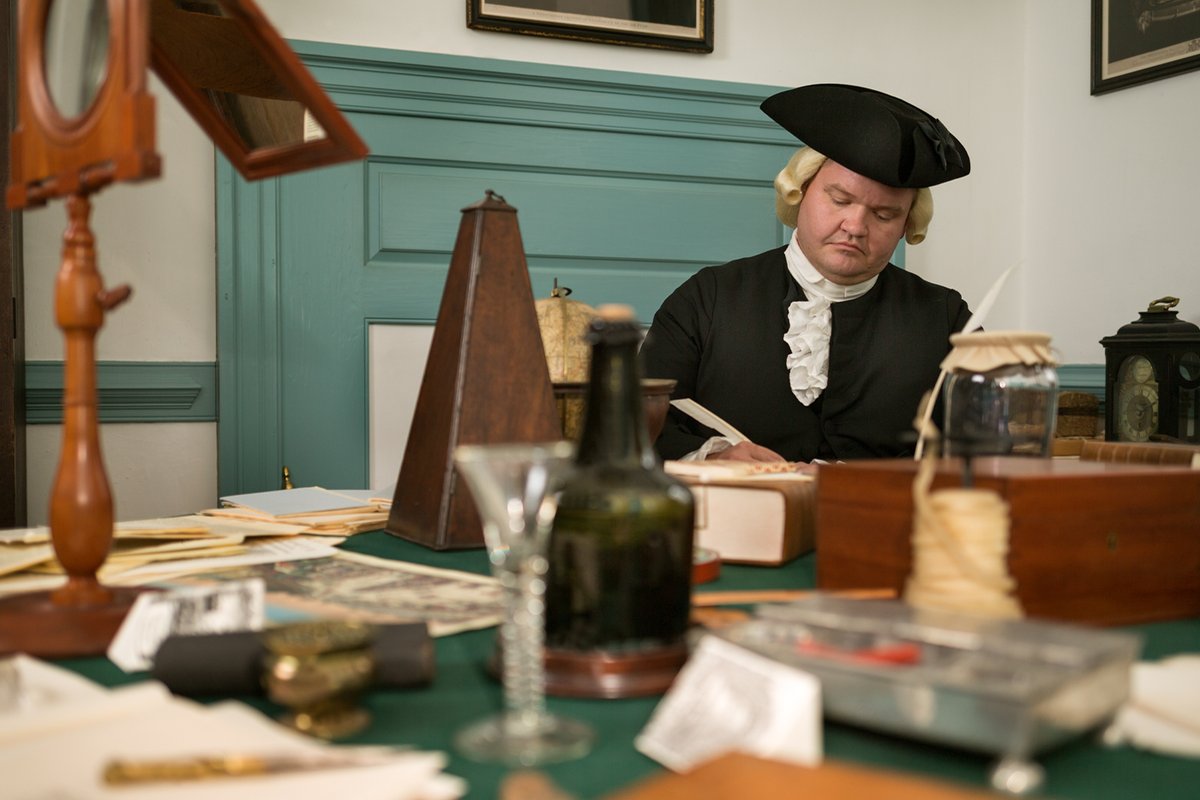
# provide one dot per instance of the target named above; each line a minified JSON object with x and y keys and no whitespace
{"x":668,"y":24}
{"x":1135,"y":41}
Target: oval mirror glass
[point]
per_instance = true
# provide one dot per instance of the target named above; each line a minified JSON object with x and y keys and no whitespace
{"x":75,"y":54}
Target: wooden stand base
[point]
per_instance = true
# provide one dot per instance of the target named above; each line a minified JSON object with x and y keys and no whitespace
{"x":34,"y":624}
{"x":571,"y":673}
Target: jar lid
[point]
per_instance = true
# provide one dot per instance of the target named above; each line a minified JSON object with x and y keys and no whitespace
{"x":982,"y":351}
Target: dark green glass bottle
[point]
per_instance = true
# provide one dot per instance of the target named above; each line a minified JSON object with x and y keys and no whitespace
{"x":621,"y":547}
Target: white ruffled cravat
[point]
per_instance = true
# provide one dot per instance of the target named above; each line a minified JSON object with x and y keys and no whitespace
{"x":810,"y":324}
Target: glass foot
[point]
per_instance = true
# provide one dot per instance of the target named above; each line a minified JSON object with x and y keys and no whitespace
{"x":500,"y":739}
{"x":1017,"y":776}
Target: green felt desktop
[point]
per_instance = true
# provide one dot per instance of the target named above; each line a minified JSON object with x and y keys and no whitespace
{"x":462,"y":692}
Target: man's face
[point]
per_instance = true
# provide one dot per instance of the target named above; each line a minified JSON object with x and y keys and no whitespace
{"x":848,"y":225}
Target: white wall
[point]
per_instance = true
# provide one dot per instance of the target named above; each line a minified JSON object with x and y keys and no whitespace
{"x":1109,"y":216}
{"x":1089,"y":195}
{"x":159,"y":237}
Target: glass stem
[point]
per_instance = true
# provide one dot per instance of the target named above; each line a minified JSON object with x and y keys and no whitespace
{"x":523,"y":635}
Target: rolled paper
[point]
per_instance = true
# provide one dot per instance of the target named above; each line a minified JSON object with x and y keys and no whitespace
{"x":232,"y":663}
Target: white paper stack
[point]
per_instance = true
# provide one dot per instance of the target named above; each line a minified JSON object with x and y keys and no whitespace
{"x":62,"y":731}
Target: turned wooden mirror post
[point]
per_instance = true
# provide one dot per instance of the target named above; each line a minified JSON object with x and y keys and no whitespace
{"x":81,"y":506}
{"x":84,"y":120}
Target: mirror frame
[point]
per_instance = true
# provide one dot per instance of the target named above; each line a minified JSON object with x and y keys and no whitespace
{"x":341,"y":142}
{"x":113,"y":139}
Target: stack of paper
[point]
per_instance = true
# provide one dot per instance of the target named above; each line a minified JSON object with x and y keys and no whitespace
{"x":58,"y":714}
{"x":305,"y":576}
{"x":320,"y":512}
{"x":148,"y":550}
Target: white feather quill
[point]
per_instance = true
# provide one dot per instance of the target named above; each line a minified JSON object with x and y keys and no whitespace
{"x":706,"y":417}
{"x":989,"y":299}
{"x":974,"y":323}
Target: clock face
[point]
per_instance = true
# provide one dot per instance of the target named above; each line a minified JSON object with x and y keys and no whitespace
{"x":1137,"y":400}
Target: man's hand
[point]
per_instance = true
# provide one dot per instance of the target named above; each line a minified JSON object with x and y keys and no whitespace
{"x":746,"y":451}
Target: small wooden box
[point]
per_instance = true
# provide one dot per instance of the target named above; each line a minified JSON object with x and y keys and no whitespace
{"x":1098,"y":542}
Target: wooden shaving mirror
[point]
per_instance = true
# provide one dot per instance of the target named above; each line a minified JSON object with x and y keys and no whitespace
{"x":85,"y":119}
{"x":246,"y":88}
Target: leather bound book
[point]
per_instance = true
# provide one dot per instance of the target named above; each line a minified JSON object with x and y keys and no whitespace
{"x":1141,"y":453}
{"x":747,"y":516}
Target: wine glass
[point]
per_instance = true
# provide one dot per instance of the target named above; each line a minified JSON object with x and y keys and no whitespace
{"x":515,"y":490}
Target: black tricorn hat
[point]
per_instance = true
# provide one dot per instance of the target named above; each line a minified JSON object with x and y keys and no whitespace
{"x":872,"y":133}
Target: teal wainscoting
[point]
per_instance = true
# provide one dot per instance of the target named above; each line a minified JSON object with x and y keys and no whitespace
{"x":625,"y":184}
{"x":153,"y":391}
{"x":129,"y":391}
{"x":1082,"y":378}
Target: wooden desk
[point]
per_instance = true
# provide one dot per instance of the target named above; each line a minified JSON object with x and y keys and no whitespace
{"x":461,"y":693}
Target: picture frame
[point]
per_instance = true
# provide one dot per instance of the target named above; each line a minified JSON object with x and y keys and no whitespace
{"x":685,"y":25}
{"x":1137,"y":41}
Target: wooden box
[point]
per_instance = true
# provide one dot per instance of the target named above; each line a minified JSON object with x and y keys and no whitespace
{"x":1098,"y":542}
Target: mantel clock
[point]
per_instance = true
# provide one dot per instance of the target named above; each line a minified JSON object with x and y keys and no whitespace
{"x":1152,"y":378}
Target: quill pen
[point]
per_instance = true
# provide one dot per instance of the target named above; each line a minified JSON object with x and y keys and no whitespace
{"x":976,"y":320}
{"x":706,"y":417}
{"x":974,"y":323}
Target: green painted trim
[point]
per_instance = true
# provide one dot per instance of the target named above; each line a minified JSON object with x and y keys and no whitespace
{"x":129,"y":391}
{"x":395,"y":99}
{"x":249,"y":345}
{"x":1082,"y":378}
{"x":401,"y":103}
{"x":523,"y":93}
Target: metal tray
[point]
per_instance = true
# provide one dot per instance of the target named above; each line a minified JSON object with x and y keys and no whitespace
{"x":1012,"y":688}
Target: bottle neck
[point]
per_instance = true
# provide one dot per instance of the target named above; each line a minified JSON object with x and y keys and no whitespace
{"x":614,"y":428}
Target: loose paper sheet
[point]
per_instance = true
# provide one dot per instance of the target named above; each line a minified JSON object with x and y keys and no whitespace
{"x":143,"y":721}
{"x":17,"y":557}
{"x":358,"y":587}
{"x":308,"y":500}
{"x":233,"y":606}
{"x":261,"y":551}
{"x":728,"y":698}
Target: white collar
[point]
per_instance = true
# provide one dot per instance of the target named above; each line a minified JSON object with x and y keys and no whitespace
{"x":817,"y":285}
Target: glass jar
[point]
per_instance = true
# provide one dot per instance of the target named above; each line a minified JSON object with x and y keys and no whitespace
{"x":1001,"y":394}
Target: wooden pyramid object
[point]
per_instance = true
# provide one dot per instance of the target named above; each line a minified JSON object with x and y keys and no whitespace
{"x":486,"y":380}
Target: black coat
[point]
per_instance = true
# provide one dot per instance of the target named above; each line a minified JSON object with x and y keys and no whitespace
{"x":720,"y":335}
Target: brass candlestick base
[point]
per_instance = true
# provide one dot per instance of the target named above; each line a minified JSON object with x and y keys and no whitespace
{"x":317,"y":670}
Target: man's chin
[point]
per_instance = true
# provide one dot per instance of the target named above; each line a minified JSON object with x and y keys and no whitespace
{"x":847,"y":274}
